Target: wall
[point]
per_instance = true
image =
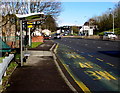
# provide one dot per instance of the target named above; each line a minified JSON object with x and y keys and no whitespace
{"x":37,"y":39}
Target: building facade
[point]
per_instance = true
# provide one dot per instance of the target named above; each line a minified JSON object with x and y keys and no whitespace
{"x":87,"y":30}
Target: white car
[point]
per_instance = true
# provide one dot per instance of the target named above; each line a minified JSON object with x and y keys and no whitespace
{"x":57,"y":36}
{"x":109,"y":35}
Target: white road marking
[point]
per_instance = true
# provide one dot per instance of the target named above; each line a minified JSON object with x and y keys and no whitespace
{"x":82,"y":52}
{"x":98,"y":47}
{"x":90,"y":55}
{"x":106,"y":44}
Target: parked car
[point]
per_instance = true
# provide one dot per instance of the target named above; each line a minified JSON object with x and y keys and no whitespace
{"x":57,"y":36}
{"x":46,"y":37}
{"x":109,"y":35}
{"x":65,"y":34}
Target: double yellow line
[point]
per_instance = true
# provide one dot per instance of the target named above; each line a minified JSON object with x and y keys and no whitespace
{"x":80,"y":83}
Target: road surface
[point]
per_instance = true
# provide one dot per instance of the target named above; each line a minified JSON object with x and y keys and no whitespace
{"x":93,"y":64}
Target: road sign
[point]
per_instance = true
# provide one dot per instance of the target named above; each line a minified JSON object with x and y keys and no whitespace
{"x":30,"y":25}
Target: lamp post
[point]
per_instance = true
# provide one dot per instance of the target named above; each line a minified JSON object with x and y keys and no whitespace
{"x":113,"y":18}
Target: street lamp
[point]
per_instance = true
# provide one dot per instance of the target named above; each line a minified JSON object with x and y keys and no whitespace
{"x":113,"y":18}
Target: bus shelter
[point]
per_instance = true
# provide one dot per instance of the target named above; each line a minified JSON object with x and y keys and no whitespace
{"x":27,"y":22}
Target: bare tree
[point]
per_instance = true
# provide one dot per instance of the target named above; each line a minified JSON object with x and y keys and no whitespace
{"x":8,"y":9}
{"x":49,"y":23}
{"x":13,"y":8}
{"x":49,"y":7}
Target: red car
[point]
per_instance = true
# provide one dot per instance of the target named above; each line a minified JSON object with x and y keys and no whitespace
{"x":47,"y":37}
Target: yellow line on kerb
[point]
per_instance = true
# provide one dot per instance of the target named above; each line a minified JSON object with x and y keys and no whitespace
{"x":56,"y":48}
{"x":80,"y":84}
{"x":57,"y":45}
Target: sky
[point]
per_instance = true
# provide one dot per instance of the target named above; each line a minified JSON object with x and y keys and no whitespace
{"x":77,"y":13}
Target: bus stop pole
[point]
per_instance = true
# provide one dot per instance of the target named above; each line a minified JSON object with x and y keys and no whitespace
{"x":29,"y":38}
{"x":21,"y":41}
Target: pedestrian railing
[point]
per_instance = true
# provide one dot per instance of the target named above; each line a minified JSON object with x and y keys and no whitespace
{"x":4,"y":66}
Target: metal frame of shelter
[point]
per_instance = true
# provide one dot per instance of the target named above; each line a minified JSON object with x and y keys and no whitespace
{"x":28,"y":18}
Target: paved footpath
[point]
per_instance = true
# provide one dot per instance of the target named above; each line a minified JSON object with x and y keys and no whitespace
{"x":38,"y":75}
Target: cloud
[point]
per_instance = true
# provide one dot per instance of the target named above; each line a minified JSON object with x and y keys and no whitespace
{"x":62,"y":22}
{"x":68,"y":24}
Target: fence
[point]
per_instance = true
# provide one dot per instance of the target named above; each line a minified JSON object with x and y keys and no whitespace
{"x":4,"y":65}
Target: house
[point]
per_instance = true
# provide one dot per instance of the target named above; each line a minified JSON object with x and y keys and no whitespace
{"x":37,"y":32}
{"x":46,"y":32}
{"x":88,"y":29}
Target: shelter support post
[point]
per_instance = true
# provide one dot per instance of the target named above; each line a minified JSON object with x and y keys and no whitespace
{"x":21,"y":43}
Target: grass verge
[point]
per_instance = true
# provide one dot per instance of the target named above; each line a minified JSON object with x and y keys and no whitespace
{"x":35,"y":44}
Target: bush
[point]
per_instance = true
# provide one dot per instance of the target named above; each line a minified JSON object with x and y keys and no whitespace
{"x":101,"y":34}
{"x":117,"y":31}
